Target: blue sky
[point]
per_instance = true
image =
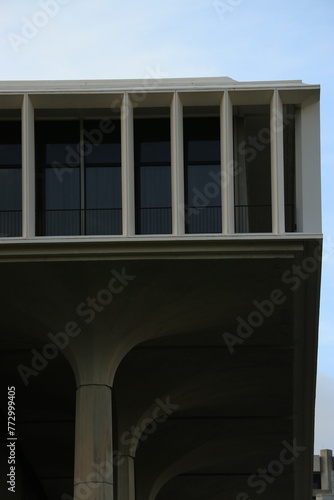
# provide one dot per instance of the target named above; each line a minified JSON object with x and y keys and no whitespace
{"x":243,"y":39}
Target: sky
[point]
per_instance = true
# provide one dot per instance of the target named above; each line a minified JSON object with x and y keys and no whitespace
{"x":247,"y":40}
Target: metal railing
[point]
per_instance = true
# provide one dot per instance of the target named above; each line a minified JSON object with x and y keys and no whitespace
{"x":154,"y":220}
{"x":203,"y":219}
{"x":258,"y":218}
{"x":252,"y":218}
{"x":68,"y":222}
{"x":102,"y":221}
{"x":108,"y":221}
{"x":10,"y":223}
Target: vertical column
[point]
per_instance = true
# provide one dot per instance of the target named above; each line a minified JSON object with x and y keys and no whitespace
{"x":128,"y":190}
{"x":326,"y":467}
{"x":178,"y":208}
{"x":28,"y":168}
{"x":227,"y":169}
{"x":308,"y":192}
{"x":277,"y":164}
{"x":93,"y":474}
{"x":126,"y":478}
{"x":82,"y":180}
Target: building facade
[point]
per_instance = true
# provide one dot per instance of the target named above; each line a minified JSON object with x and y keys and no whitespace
{"x":323,"y":476}
{"x":160,"y":257}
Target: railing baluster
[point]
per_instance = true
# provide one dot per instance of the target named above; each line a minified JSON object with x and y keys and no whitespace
{"x":107,"y":221}
{"x":10,"y":223}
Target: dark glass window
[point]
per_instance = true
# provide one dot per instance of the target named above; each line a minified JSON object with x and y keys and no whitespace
{"x":10,"y":179}
{"x":58,"y":178}
{"x":202,"y":175}
{"x":103,"y":184}
{"x":289,"y":167}
{"x":316,"y":481}
{"x":153,"y":176}
{"x":252,"y":169}
{"x":78,"y":181}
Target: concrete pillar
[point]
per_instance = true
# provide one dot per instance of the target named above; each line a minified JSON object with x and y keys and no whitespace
{"x":227,"y":170}
{"x":177,"y":166}
{"x":308,"y":167}
{"x":128,"y":175}
{"x":93,"y":474}
{"x":326,"y":467}
{"x":277,"y":164}
{"x":126,"y":478}
{"x":28,"y":168}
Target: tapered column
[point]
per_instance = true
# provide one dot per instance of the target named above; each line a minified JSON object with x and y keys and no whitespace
{"x":126,"y":478}
{"x":93,"y":475}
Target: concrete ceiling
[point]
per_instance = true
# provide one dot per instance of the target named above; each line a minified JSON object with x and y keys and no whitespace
{"x":163,"y":336}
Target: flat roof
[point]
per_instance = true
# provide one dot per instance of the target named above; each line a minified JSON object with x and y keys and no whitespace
{"x":153,"y":84}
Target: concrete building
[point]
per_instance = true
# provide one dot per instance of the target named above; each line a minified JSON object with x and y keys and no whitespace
{"x":160,"y":261}
{"x":323,"y":476}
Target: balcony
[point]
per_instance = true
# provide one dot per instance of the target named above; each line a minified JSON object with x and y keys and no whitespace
{"x":206,"y":158}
